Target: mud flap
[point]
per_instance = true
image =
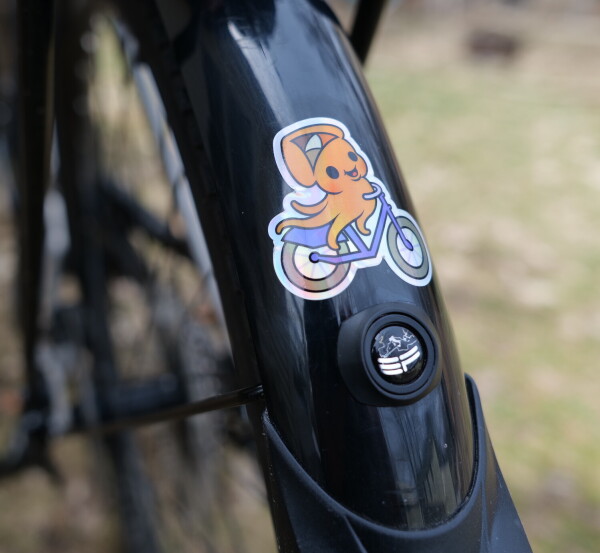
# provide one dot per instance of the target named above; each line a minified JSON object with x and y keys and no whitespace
{"x":487,"y":521}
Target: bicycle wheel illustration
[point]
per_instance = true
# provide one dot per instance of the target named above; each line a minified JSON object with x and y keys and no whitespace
{"x":310,"y":276}
{"x":414,"y":263}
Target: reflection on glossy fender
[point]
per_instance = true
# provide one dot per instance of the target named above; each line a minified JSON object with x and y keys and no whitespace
{"x":339,"y":217}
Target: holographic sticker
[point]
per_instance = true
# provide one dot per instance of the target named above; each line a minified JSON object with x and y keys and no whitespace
{"x":339,"y":217}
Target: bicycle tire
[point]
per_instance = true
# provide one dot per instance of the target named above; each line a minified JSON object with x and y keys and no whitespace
{"x":413,"y":263}
{"x":137,"y":490}
{"x":314,"y":283}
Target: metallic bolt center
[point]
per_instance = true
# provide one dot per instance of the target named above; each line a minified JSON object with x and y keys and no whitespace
{"x":398,"y":354}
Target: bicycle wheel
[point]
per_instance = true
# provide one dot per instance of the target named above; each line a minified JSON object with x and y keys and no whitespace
{"x":313,"y":277}
{"x":151,"y":316}
{"x":414,"y":263}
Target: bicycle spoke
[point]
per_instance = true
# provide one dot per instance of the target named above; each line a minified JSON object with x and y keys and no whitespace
{"x":163,"y":317}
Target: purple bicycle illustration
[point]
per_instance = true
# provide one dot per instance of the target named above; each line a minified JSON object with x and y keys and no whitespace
{"x":308,"y":267}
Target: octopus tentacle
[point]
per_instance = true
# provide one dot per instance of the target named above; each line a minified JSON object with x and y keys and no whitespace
{"x":317,"y":220}
{"x":309,"y":209}
{"x":361,"y":222}
{"x":339,"y":223}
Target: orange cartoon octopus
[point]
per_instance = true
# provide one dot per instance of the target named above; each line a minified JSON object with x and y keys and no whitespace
{"x":319,"y":155}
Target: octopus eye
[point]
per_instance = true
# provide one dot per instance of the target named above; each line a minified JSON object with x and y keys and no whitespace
{"x":332,"y":172}
{"x":352,"y":156}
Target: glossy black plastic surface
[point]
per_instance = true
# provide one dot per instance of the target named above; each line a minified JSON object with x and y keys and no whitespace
{"x":487,"y":522}
{"x":361,"y":370}
{"x":250,"y":69}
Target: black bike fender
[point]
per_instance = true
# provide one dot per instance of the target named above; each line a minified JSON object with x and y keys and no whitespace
{"x":487,"y":521}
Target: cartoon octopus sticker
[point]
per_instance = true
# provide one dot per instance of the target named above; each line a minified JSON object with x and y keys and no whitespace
{"x":339,"y":216}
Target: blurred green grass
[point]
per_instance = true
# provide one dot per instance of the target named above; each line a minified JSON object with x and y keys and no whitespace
{"x":503,"y":162}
